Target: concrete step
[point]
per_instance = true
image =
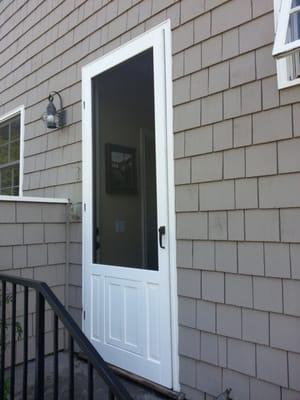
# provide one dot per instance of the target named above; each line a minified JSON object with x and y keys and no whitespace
{"x":137,"y":391}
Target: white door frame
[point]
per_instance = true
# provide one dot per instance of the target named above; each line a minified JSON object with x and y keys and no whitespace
{"x":88,"y":71}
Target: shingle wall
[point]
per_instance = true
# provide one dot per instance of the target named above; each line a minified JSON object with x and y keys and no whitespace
{"x":236,"y":169}
{"x":237,"y":202}
{"x":33,"y":244}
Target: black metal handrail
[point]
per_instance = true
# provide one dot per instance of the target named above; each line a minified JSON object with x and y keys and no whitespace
{"x":95,"y":361}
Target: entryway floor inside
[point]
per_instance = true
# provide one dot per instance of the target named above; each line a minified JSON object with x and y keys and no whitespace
{"x":138,"y":392}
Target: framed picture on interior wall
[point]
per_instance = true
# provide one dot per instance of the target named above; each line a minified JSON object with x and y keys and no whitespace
{"x":121,"y":171}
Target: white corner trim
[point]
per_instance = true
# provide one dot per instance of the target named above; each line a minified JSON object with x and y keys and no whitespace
{"x":28,"y":199}
{"x":171,"y":202}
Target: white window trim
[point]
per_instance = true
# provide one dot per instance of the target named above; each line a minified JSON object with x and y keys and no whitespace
{"x":281,"y":63}
{"x":281,"y":48}
{"x":17,"y":111}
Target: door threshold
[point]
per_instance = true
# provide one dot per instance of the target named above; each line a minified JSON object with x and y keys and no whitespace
{"x":172,"y":394}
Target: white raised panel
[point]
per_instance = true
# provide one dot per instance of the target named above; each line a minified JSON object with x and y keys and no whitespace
{"x":125,"y":308}
{"x":131,"y":316}
{"x":114,"y":314}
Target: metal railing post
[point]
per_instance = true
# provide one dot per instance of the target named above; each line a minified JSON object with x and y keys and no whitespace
{"x":39,"y":347}
{"x":25,"y":344}
{"x":3,"y":330}
{"x":55,"y":357}
{"x":13,"y":343}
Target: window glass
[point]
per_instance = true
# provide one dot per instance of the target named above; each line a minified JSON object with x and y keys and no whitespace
{"x":14,"y":151}
{"x":286,"y":45}
{"x":4,"y":134}
{"x":15,"y":129}
{"x":287,"y":26}
{"x":4,"y":154}
{"x":10,"y":156}
{"x":6,"y":176}
{"x":295,"y":3}
{"x":293,"y":31}
{"x":5,"y":191}
{"x":16,"y":176}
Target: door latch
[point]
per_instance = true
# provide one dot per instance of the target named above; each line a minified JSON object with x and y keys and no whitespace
{"x":97,"y":238}
{"x":162,"y":232}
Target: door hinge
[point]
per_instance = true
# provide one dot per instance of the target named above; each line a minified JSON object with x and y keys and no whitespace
{"x":84,"y":314}
{"x":83,"y":105}
{"x":84,"y":206}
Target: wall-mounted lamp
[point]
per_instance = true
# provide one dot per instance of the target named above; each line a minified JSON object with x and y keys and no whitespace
{"x":54,"y":118}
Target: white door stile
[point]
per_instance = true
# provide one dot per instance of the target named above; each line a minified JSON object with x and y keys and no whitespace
{"x":160,"y":40}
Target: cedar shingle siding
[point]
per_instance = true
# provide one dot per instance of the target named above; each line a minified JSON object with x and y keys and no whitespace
{"x":33,"y":244}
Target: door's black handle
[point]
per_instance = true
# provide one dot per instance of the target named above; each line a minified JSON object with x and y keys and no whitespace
{"x":97,"y":240}
{"x":162,"y":231}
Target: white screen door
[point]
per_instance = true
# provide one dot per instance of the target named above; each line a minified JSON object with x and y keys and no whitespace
{"x":126,"y":221}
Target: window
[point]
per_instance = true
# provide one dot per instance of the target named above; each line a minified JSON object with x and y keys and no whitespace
{"x":288,"y":28}
{"x":287,"y":42}
{"x":11,"y":145}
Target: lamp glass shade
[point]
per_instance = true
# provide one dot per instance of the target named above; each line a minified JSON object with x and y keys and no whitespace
{"x":51,"y":121}
{"x":51,"y":116}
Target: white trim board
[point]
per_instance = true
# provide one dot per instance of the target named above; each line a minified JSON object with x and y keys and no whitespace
{"x":127,"y":50}
{"x":18,"y":110}
{"x":25,"y":199}
{"x":171,"y":201}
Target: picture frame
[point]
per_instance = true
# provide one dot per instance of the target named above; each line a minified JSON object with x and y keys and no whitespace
{"x":121,"y":170}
